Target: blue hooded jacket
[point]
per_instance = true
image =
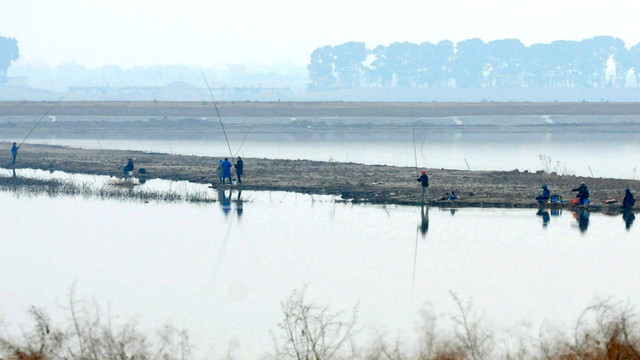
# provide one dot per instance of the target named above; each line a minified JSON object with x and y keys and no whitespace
{"x":226,"y":168}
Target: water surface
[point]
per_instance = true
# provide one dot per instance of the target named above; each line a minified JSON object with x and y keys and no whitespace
{"x":221,"y":270}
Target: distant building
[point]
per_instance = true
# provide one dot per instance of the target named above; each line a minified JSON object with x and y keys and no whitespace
{"x":176,"y":91}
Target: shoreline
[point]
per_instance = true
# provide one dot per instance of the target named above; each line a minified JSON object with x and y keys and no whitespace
{"x":352,"y":182}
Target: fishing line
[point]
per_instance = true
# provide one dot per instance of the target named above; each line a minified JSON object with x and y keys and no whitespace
{"x":42,"y":117}
{"x":415,"y":153}
{"x":218,"y":113}
{"x":245,"y":139}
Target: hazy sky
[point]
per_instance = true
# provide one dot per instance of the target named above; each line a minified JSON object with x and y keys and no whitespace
{"x":214,"y":33}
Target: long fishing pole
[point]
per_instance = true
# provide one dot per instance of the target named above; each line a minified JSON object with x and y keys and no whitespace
{"x":245,"y":139}
{"x":42,"y":117}
{"x":218,"y":113}
{"x":415,"y":153}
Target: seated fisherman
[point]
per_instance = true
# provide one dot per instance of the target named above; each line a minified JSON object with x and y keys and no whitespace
{"x":545,"y":194}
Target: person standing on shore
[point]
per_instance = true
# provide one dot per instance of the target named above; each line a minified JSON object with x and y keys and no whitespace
{"x":628,"y":200}
{"x":424,"y":181}
{"x":219,"y":171}
{"x":226,"y":170}
{"x":239,"y":169}
{"x":14,"y":152}
{"x":128,"y":170}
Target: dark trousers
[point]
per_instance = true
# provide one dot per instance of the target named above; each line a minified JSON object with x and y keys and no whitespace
{"x":14,"y":159}
{"x":239,"y":178}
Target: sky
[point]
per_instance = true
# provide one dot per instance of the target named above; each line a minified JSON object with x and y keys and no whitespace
{"x":217,"y":33}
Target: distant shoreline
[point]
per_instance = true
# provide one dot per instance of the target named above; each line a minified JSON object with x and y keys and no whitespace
{"x":302,"y":109}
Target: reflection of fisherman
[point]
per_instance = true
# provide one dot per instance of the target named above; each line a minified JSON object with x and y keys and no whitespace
{"x":583,"y":220}
{"x":128,"y":170}
{"x":14,"y":152}
{"x":628,"y":216}
{"x":225,"y":201}
{"x":239,"y":204}
{"x":545,"y":215}
{"x":226,"y":170}
{"x":583,"y":193}
{"x":239,"y":169}
{"x":424,"y":224}
{"x":545,"y":194}
{"x":424,"y":181}
{"x":629,"y":200}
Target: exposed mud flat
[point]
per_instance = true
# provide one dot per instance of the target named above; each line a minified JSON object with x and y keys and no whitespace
{"x":358,"y":183}
{"x":319,"y":108}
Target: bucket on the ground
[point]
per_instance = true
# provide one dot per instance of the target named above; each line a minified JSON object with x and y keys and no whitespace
{"x":575,"y":201}
{"x":554,"y":199}
{"x":129,"y":173}
{"x":587,"y":201}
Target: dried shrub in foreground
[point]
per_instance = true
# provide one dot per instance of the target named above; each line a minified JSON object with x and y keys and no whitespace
{"x":90,"y":335}
{"x":312,"y":332}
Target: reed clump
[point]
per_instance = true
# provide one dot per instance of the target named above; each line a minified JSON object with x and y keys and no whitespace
{"x":57,"y":187}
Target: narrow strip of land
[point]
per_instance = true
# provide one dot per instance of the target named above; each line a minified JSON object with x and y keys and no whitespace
{"x":355,"y":182}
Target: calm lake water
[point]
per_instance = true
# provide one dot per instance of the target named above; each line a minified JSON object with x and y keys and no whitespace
{"x":609,"y":152}
{"x":221,"y":270}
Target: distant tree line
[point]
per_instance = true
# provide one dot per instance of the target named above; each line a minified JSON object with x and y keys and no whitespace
{"x":8,"y":54}
{"x":601,"y":61}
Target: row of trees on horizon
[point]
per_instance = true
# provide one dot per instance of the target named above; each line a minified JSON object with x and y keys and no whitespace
{"x":598,"y":62}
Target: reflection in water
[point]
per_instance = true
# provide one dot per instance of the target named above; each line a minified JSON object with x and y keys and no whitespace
{"x":239,"y":205}
{"x":424,"y":223}
{"x":225,"y":201}
{"x":423,"y":228}
{"x":14,"y":172}
{"x":628,"y":216}
{"x":453,"y":211}
{"x":582,"y":217}
{"x":544,"y":214}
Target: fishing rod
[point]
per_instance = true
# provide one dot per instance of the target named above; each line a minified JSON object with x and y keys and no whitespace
{"x":218,"y":113}
{"x":415,"y":153}
{"x":245,"y":139}
{"x":42,"y":117}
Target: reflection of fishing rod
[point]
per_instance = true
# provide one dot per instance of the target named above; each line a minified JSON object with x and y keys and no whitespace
{"x":42,"y":117}
{"x":218,"y":113}
{"x":415,"y":257}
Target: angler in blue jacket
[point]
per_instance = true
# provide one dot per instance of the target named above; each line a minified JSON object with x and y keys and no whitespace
{"x":14,"y":152}
{"x":226,"y":170}
{"x":545,"y":194}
